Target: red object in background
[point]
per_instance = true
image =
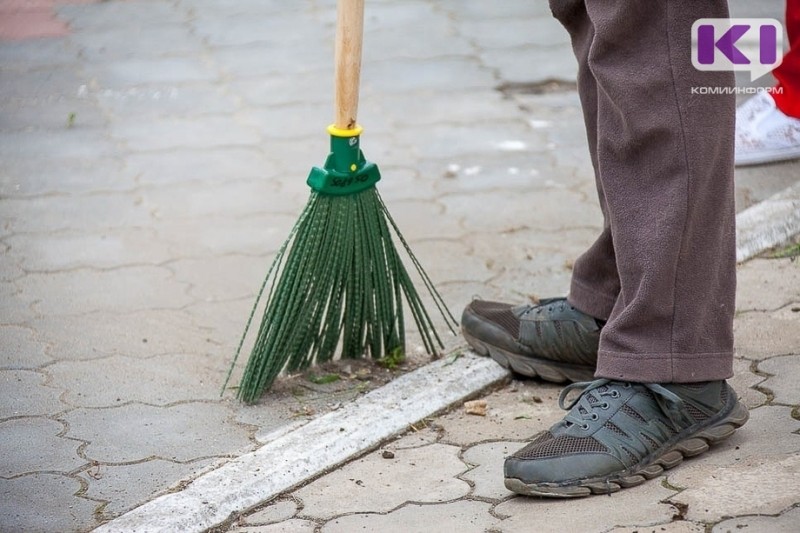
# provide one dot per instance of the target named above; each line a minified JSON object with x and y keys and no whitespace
{"x":788,"y":73}
{"x":31,"y":19}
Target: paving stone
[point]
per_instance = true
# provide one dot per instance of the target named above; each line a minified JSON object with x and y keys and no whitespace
{"x":531,"y":64}
{"x":638,"y":506}
{"x":433,"y":75}
{"x":714,"y":493}
{"x":82,"y":143}
{"x":221,"y":278}
{"x":23,"y":507}
{"x":506,"y":10}
{"x":136,"y":432}
{"x":759,"y":438}
{"x":462,"y":516}
{"x":126,"y":73}
{"x":20,"y":349}
{"x":456,"y":143}
{"x":283,"y":28}
{"x":757,"y":183}
{"x":124,"y":289}
{"x":241,"y":197}
{"x":294,"y":525}
{"x":784,"y":523}
{"x":416,"y":439}
{"x":41,"y":84}
{"x":138,"y":334}
{"x":33,"y":445}
{"x":767,"y":284}
{"x":223,"y":323}
{"x":785,"y":375}
{"x":260,"y":234}
{"x":54,"y":213}
{"x":760,"y":335}
{"x":208,"y":166}
{"x":519,"y":31}
{"x":184,"y":100}
{"x":169,"y":379}
{"x":9,"y":264}
{"x":118,"y":15}
{"x":32,"y":54}
{"x":479,"y":173}
{"x":516,"y":412}
{"x":274,"y":90}
{"x":17,"y":309}
{"x":436,"y":39}
{"x":50,"y":114}
{"x":101,"y":48}
{"x":424,"y":475}
{"x":39,"y":176}
{"x":199,"y":133}
{"x":296,"y":121}
{"x":242,"y":62}
{"x":276,"y":512}
{"x":24,"y":393}
{"x":743,"y":381}
{"x":492,"y":212}
{"x":126,"y":486}
{"x":487,"y":476}
{"x":45,"y":252}
{"x":440,"y":257}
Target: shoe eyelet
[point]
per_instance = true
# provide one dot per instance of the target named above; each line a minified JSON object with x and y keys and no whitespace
{"x":585,"y":427}
{"x":595,"y":416}
{"x":605,"y":405}
{"x":626,"y":385}
{"x":615,"y":394}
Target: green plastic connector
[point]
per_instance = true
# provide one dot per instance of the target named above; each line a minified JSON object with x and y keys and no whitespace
{"x":346,"y":171}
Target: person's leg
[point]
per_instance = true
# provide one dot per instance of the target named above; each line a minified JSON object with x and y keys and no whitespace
{"x":664,"y":158}
{"x":553,"y":339}
{"x":595,"y":281}
{"x":787,"y":95}
{"x":664,"y":162}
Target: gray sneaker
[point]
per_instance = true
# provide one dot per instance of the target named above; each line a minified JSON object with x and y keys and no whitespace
{"x":618,"y":435}
{"x":552,"y":340}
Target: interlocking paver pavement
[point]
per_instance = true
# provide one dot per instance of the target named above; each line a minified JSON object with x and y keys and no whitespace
{"x":153,"y":156}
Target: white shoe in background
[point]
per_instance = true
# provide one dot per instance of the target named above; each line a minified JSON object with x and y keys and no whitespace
{"x":764,"y":134}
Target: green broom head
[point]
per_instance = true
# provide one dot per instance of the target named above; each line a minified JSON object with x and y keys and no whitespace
{"x":337,"y":282}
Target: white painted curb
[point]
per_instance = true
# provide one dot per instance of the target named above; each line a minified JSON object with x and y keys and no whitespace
{"x":297,"y":455}
{"x":767,"y":224}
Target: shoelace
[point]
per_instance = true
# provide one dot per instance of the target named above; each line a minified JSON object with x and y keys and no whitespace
{"x":591,"y":398}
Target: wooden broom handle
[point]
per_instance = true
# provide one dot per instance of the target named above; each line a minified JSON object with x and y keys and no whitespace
{"x":349,"y":36}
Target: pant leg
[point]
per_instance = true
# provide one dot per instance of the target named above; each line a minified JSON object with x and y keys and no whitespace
{"x":664,"y":160}
{"x":787,"y":97}
{"x":598,"y":266}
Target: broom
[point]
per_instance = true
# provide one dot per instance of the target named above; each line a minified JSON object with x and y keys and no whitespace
{"x":338,"y":281}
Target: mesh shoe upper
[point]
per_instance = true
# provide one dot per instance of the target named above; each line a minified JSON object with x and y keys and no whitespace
{"x":614,"y":428}
{"x":553,"y":329}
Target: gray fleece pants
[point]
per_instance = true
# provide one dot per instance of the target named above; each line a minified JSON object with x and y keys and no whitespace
{"x":662,"y":273}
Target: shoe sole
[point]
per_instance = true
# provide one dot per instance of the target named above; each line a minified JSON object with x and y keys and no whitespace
{"x":767,"y":156}
{"x":691,"y":446}
{"x":545,"y":369}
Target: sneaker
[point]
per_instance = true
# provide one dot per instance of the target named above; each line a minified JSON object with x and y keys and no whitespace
{"x":618,"y":435}
{"x":764,"y":134}
{"x":552,"y":339}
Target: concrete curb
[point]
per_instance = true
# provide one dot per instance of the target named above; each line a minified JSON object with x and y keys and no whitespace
{"x":297,"y":455}
{"x":768,"y":224}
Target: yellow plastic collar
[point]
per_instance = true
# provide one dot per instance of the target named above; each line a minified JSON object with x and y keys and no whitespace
{"x":339,"y":132}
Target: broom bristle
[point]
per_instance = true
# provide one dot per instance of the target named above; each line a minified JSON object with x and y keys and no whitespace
{"x":337,"y":281}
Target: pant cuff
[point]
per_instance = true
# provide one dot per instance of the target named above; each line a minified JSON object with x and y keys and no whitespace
{"x":664,"y":367}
